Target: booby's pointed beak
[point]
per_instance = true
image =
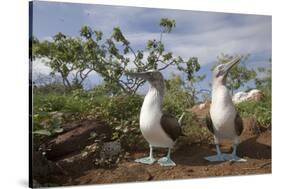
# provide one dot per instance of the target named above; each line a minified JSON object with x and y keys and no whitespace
{"x":231,"y":64}
{"x":142,"y":75}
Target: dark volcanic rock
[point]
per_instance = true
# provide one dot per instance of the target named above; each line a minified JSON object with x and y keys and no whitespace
{"x":78,"y":135}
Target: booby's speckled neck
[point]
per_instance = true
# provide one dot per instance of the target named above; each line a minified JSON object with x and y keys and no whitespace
{"x":154,"y":98}
{"x":221,"y":100}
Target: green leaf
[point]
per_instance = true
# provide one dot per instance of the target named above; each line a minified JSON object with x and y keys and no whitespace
{"x":167,"y":24}
{"x":42,"y":132}
{"x":93,"y":135}
{"x":58,"y":130}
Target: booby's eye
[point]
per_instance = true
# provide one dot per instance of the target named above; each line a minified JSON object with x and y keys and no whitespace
{"x":220,"y":72}
{"x":220,"y":67}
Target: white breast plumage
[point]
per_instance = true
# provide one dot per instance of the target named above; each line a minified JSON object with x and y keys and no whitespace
{"x":223,"y":113}
{"x":150,"y":121}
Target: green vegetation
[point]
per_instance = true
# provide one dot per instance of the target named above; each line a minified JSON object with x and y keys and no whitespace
{"x":265,"y":81}
{"x":121,"y":112}
{"x":260,"y":110}
{"x":115,"y":101}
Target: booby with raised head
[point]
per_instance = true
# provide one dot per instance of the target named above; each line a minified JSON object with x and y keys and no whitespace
{"x":223,"y":119}
{"x":159,"y":129}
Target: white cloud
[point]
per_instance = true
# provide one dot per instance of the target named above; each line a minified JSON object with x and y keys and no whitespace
{"x":251,"y":38}
{"x":48,"y":38}
{"x":38,"y":66}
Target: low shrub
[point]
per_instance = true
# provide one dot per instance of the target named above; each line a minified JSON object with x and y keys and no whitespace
{"x":261,"y":110}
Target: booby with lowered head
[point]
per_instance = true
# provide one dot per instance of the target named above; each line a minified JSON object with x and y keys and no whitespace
{"x":159,"y":129}
{"x":223,"y":119}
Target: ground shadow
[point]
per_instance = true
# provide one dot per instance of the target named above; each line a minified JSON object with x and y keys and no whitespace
{"x":252,"y":149}
{"x":193,"y":155}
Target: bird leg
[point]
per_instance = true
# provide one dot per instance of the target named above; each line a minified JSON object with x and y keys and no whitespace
{"x":218,"y":157}
{"x":147,"y":160}
{"x":166,"y":161}
{"x":233,"y":156}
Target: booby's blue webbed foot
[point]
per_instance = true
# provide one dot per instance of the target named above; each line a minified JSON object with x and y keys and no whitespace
{"x":166,"y":161}
{"x":146,"y":160}
{"x":215,"y":158}
{"x":233,"y":157}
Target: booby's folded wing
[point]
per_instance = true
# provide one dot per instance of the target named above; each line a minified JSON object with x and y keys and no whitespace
{"x":238,"y":124}
{"x":171,"y":126}
{"x":209,"y":123}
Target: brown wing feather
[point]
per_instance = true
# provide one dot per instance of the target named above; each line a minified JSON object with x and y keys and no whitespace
{"x":209,"y":123}
{"x":171,"y":126}
{"x":238,"y":125}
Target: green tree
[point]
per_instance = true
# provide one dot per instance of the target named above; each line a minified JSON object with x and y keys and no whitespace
{"x":74,"y":58}
{"x":190,"y":69}
{"x":239,"y":75}
{"x":65,"y":56}
{"x":265,"y":81}
{"x":177,"y":94}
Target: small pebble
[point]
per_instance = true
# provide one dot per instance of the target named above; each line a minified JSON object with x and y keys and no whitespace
{"x":190,"y":170}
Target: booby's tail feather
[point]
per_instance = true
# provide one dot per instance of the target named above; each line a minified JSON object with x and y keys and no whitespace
{"x":181,"y":117}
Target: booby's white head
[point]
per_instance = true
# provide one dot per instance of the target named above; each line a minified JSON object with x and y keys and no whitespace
{"x":154,"y":77}
{"x":221,"y":71}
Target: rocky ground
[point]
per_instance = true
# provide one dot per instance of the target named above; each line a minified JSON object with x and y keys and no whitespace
{"x":80,"y":167}
{"x":190,"y":164}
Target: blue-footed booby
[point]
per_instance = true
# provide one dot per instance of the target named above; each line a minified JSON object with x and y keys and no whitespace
{"x":159,"y":129}
{"x":223,"y":119}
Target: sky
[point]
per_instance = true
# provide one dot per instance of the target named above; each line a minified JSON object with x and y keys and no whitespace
{"x":197,"y":34}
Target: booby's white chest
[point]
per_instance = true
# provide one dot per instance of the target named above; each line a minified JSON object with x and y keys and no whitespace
{"x":223,"y":113}
{"x":150,"y":121}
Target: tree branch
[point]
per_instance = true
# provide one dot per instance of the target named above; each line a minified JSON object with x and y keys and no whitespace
{"x":132,"y":50}
{"x":167,"y":65}
{"x":85,"y":76}
{"x":138,"y":85}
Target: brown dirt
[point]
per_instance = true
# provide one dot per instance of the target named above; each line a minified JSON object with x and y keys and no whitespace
{"x":190,"y":164}
{"x":188,"y":154}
